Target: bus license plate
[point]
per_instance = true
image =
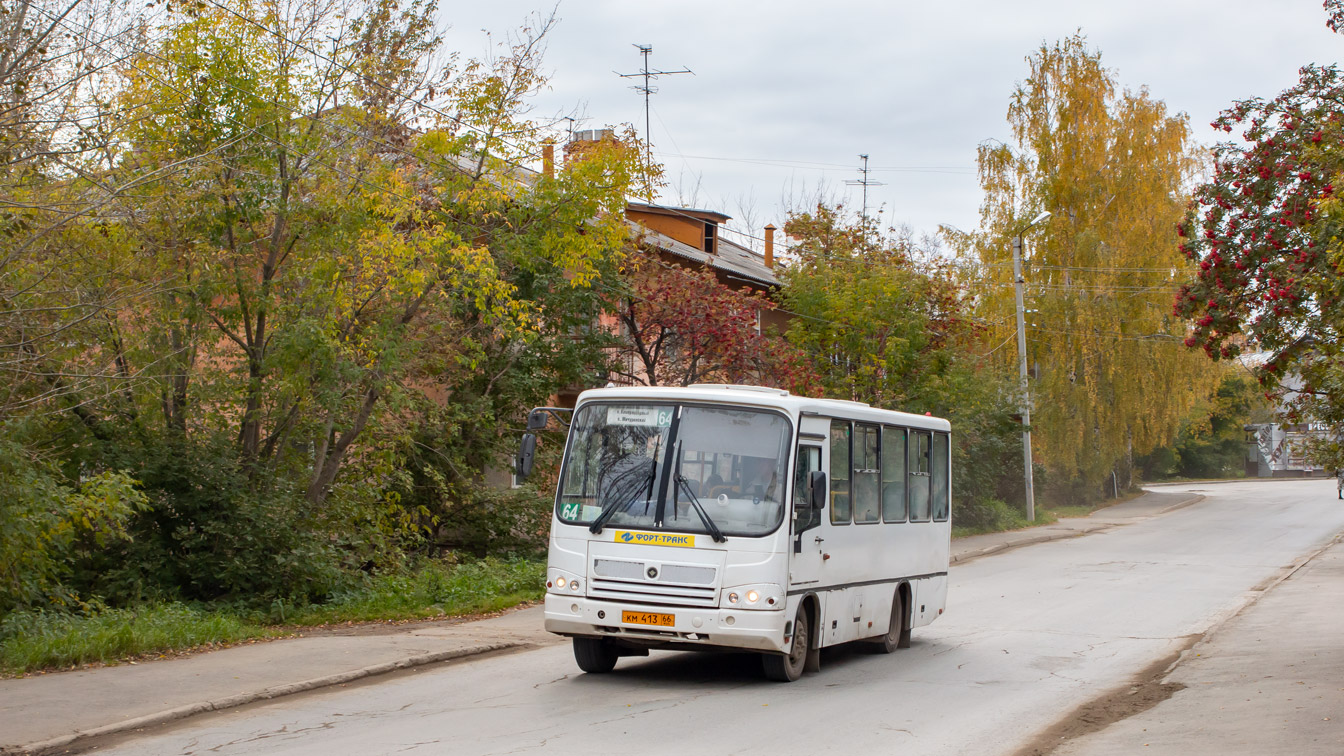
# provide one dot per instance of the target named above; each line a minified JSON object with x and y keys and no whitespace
{"x":649,"y":618}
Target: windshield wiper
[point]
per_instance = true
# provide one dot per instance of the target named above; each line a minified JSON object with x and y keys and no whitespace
{"x":695,"y":502}
{"x":620,"y":490}
{"x":700,"y":510}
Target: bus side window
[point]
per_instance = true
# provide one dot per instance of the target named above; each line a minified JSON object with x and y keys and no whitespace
{"x":918,"y":475}
{"x":840,"y":504}
{"x":939,"y":477}
{"x":867,"y":488}
{"x":893,"y":474}
{"x":804,"y":516}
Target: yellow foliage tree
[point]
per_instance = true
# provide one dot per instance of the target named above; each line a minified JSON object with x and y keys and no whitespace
{"x":1109,"y":376}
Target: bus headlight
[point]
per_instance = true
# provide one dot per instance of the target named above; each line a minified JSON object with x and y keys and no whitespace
{"x":765,"y":596}
{"x":563,"y":582}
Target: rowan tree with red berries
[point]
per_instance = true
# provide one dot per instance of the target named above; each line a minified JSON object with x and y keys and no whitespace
{"x":1267,"y":233}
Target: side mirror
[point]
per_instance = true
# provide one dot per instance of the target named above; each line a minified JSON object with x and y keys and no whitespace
{"x":537,"y":419}
{"x":522,"y":464}
{"x":816,"y":483}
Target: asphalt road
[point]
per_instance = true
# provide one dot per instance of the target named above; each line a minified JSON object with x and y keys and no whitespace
{"x":1028,"y":636}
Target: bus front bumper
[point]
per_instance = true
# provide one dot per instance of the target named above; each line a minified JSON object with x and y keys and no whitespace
{"x":691,"y":626}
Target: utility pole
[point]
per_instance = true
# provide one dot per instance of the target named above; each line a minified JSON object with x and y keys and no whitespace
{"x":1019,"y":283}
{"x":865,"y":183}
{"x":648,"y":89}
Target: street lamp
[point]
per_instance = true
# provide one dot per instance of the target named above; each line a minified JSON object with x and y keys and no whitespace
{"x":1022,"y":365}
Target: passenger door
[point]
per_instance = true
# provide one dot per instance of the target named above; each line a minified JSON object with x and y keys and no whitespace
{"x":805,"y":540}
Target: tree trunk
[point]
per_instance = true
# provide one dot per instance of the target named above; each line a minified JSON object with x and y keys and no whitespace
{"x":330,"y":463}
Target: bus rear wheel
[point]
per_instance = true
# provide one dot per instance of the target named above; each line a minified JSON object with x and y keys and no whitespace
{"x":594,"y":655}
{"x":787,"y":668}
{"x":897,"y":636}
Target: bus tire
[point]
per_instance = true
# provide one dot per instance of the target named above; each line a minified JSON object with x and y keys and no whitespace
{"x":789,"y":667}
{"x":896,"y":631}
{"x":594,"y":655}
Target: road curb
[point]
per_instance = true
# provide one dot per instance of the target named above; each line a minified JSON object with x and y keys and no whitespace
{"x":1197,"y":498}
{"x":275,"y":691}
{"x":999,"y":548}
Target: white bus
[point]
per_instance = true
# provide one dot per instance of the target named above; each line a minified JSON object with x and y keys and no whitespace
{"x":738,"y":517}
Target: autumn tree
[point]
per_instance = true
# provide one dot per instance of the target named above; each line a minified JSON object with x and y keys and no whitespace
{"x":1265,"y":233}
{"x":1211,"y":442}
{"x":887,"y":323}
{"x":332,"y":234}
{"x":887,"y":328}
{"x":57,"y":69}
{"x":1109,"y":379}
{"x":680,"y":326}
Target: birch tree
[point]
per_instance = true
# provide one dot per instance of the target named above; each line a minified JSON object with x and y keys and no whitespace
{"x":1114,"y":167}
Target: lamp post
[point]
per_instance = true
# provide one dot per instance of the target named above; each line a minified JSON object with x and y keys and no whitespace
{"x":1022,"y":365}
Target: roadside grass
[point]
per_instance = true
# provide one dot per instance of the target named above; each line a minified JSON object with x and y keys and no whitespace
{"x":434,"y":590}
{"x":1020,"y":521}
{"x":33,"y":641}
{"x":45,"y":640}
{"x":998,"y":517}
{"x":993,"y":516}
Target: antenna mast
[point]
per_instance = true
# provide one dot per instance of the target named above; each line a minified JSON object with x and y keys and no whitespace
{"x":865,"y":183}
{"x":648,"y":89}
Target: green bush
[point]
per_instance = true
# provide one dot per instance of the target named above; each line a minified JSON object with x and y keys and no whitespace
{"x":494,"y":521}
{"x":44,"y":521}
{"x":207,"y":535}
{"x":986,"y":516}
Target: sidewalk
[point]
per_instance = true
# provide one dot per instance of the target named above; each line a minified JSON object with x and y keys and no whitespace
{"x":46,"y":712}
{"x":1268,"y":681}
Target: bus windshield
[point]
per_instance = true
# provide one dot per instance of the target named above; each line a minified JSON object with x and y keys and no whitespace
{"x":687,"y":468}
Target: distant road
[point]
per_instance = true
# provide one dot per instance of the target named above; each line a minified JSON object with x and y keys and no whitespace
{"x":1029,"y":635}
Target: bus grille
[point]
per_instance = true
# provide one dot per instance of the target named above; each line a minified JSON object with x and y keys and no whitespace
{"x":676,"y":584}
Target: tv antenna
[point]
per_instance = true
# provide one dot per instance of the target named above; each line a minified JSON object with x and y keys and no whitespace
{"x":865,"y":182}
{"x":648,"y":89}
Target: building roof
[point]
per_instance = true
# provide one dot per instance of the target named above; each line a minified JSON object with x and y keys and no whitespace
{"x":680,"y":212}
{"x":733,"y":260}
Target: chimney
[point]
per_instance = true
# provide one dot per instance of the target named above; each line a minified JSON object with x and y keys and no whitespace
{"x":548,"y":159}
{"x":585,"y":140}
{"x":770,"y":246}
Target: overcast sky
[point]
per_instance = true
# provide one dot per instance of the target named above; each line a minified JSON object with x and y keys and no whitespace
{"x":787,"y":94}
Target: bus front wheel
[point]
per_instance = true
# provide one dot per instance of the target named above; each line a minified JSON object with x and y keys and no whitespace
{"x":787,"y":668}
{"x":594,"y":655}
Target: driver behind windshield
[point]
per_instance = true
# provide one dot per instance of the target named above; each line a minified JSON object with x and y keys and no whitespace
{"x":759,"y":478}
